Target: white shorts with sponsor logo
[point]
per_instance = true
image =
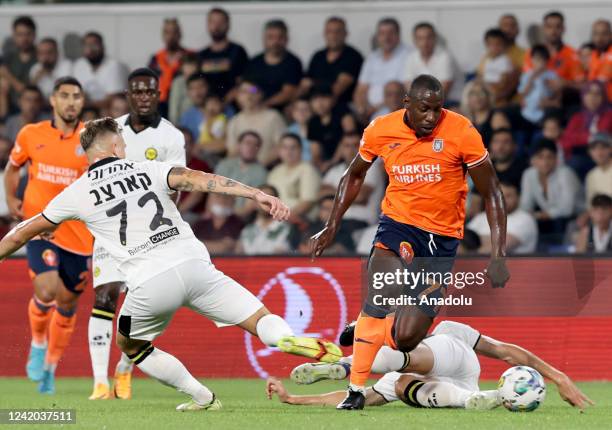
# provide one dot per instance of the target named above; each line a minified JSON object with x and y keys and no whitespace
{"x":454,"y":362}
{"x":196,"y":284}
{"x":105,"y":268}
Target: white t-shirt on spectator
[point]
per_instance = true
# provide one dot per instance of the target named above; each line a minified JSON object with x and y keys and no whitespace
{"x":377,"y":71}
{"x":520,"y":224}
{"x":364,"y":246}
{"x":494,"y":68}
{"x":109,"y":78}
{"x":45,"y":84}
{"x":441,"y":65}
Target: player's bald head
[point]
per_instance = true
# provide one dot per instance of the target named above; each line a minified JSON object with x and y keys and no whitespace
{"x":425,"y":86}
{"x":97,"y":135}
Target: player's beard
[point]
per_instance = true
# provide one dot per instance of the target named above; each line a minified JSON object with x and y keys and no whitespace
{"x":69,"y":119}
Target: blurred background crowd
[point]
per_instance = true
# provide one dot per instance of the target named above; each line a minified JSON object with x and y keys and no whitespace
{"x":291,"y":129}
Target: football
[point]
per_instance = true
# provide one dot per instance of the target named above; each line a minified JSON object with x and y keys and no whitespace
{"x":521,"y":389}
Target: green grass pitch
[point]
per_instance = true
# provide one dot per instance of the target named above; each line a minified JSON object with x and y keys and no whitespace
{"x":245,"y":407}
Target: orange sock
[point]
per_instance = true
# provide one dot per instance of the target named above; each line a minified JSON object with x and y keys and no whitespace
{"x":60,"y":332}
{"x":39,"y":314}
{"x":369,"y":337}
{"x":389,"y":340}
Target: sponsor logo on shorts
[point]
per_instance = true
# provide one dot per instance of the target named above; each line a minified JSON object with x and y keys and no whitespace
{"x":406,"y":252}
{"x":96,"y":271}
{"x":49,"y":257}
{"x":151,"y":153}
{"x":158,"y":237}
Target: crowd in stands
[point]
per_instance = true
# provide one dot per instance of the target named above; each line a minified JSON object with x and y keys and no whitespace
{"x":291,"y":129}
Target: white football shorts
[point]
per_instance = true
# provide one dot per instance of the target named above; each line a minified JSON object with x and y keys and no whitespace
{"x":104,"y":268}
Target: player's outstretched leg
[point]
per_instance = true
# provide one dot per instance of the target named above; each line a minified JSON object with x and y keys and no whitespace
{"x":39,"y":314}
{"x":168,"y":370}
{"x":421,"y":393}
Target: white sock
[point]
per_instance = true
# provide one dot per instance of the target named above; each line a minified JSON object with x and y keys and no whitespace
{"x":271,"y":328}
{"x":442,"y":395}
{"x":388,"y":360}
{"x":124,"y":364}
{"x":168,"y":370}
{"x":100,"y":333}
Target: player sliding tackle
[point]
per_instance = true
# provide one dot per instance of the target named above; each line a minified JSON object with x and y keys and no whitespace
{"x":127,"y":207}
{"x":442,"y":371}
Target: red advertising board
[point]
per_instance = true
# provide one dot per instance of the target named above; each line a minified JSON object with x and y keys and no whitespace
{"x":317,"y":299}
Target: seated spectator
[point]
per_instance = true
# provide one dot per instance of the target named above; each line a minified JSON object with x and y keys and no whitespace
{"x":551,"y":192}
{"x":599,"y":178}
{"x":17,"y":62}
{"x":167,"y":61}
{"x":343,"y":241}
{"x":596,"y":236}
{"x":244,"y":168}
{"x":191,"y":205}
{"x":211,"y":143}
{"x":496,"y":69}
{"x":600,"y":67}
{"x":386,"y":63}
{"x":430,"y":58}
{"x":365,"y":208}
{"x":30,"y":111}
{"x":90,"y":112}
{"x":118,"y":105}
{"x":300,"y":114}
{"x":179,"y":102}
{"x":100,"y":75}
{"x":255,"y":116}
{"x":5,"y":216}
{"x":276,"y":71}
{"x":219,"y":229}
{"x":509,"y":25}
{"x":297,"y":181}
{"x":366,"y":240}
{"x":538,"y":87}
{"x":552,"y":129}
{"x":223,"y":61}
{"x":585,"y":55}
{"x":49,"y":67}
{"x":477,"y":106}
{"x":336,"y":66}
{"x":197,"y":91}
{"x":393,"y":99}
{"x":508,"y":163}
{"x":595,"y":117}
{"x":324,"y":128}
{"x":264,"y":236}
{"x":521,"y":227}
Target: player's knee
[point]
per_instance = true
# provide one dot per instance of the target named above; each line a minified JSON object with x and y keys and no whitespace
{"x":125,"y":344}
{"x":407,"y":339}
{"x":107,"y":296}
{"x":45,"y":295}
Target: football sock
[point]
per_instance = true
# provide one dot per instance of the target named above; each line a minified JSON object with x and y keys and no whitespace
{"x":390,"y":360}
{"x":271,"y":328}
{"x":100,"y":333}
{"x":369,"y":337}
{"x":435,"y":394}
{"x":124,"y":364}
{"x":39,"y":314}
{"x":168,"y":370}
{"x":60,"y":332}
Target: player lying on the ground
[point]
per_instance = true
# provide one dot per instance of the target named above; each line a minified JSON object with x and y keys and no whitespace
{"x":127,"y":207}
{"x":442,"y":371}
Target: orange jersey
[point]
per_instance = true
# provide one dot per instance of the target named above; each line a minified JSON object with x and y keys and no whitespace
{"x":427,"y":175}
{"x":601,"y":69}
{"x":564,"y":63}
{"x":55,"y":162}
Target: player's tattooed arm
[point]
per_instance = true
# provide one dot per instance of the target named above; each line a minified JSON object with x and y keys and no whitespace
{"x":22,"y":233}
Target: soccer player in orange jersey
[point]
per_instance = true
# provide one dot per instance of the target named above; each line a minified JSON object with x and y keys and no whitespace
{"x":59,"y":265}
{"x":427,"y":151}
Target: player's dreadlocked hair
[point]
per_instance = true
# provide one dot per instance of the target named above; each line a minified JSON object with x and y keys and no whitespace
{"x":96,"y":127}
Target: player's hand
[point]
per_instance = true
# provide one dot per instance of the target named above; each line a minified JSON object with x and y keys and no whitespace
{"x":572,"y":394}
{"x":273,"y":205}
{"x":274,"y":385}
{"x":497,"y":272}
{"x":14,"y":206}
{"x":321,"y":240}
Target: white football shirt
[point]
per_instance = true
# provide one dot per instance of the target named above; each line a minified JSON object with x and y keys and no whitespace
{"x":127,"y":207}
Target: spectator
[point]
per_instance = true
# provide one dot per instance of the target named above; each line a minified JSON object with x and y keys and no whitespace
{"x":599,"y":179}
{"x":5,"y":217}
{"x":365,"y":208}
{"x":244,"y":168}
{"x":167,"y":61}
{"x":219,"y":229}
{"x":118,"y":105}
{"x":595,"y":117}
{"x":585,"y":55}
{"x":366,"y":240}
{"x":509,"y":25}
{"x":386,"y":63}
{"x":254,"y":115}
{"x":496,"y":69}
{"x":394,"y":94}
{"x":521,"y":226}
{"x":89,"y":113}
{"x":600,"y":67}
{"x":297,"y":181}
{"x":100,"y":75}
{"x":191,"y":205}
{"x":336,"y":66}
{"x":17,"y":62}
{"x":211,"y":144}
{"x":596,"y":236}
{"x":538,"y":87}
{"x":179,"y":102}
{"x":477,"y":106}
{"x":324,"y":128}
{"x":197,"y":91}
{"x":223,"y":61}
{"x":432,"y":59}
{"x":300,"y":114}
{"x":264,"y":235}
{"x":30,"y":111}
{"x":276,"y":71}
{"x":49,"y":67}
{"x":551,"y":192}
{"x":508,"y":163}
